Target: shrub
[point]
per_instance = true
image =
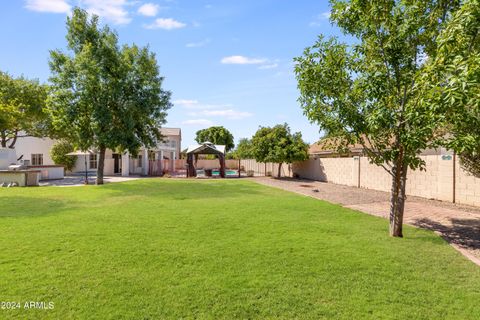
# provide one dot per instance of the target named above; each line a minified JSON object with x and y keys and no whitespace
{"x":250,"y":173}
{"x":59,"y":154}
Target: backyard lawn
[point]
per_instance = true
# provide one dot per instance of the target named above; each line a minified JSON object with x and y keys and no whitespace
{"x":170,"y":249}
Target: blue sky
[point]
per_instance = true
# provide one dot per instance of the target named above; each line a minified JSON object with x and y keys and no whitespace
{"x":226,"y":62}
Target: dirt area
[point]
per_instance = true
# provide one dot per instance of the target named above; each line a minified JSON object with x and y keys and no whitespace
{"x":458,"y":224}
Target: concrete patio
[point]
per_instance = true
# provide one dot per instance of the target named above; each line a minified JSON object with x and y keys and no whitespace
{"x":77,"y":181}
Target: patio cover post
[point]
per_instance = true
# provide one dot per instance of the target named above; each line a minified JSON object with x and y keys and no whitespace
{"x":145,"y":162}
{"x":191,"y":172}
{"x":221,"y":157}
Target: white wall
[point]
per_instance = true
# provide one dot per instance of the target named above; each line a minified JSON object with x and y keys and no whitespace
{"x":31,"y":145}
{"x":7,"y":157}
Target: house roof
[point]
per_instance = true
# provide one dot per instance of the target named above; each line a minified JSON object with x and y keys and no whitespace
{"x":329,"y":146}
{"x":171,"y":131}
{"x":206,"y":148}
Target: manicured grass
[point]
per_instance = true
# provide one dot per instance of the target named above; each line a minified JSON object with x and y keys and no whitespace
{"x":169,"y":249}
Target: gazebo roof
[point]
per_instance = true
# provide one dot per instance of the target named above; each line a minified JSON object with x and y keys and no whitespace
{"x":206,"y":148}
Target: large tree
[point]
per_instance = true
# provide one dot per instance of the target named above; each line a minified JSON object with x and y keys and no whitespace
{"x":277,"y":144}
{"x":21,"y":109}
{"x":105,"y":96}
{"x":370,"y":91}
{"x":454,"y":80}
{"x":217,"y":135}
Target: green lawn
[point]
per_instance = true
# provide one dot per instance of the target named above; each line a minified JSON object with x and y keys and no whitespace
{"x":170,"y":249}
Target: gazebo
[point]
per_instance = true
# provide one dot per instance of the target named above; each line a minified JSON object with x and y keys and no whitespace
{"x":204,"y":148}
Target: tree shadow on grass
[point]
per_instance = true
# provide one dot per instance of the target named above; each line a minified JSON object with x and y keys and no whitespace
{"x":25,"y":206}
{"x":464,"y":233}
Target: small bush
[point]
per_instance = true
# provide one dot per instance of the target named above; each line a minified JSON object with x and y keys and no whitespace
{"x":250,"y":173}
{"x":59,"y":154}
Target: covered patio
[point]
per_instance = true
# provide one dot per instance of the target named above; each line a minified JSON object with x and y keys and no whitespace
{"x":205,"y":148}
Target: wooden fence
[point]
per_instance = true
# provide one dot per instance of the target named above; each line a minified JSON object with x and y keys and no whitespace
{"x":266,"y":169}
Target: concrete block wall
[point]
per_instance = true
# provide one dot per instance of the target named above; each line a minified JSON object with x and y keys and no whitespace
{"x":435,"y":182}
{"x":467,"y":187}
{"x":340,"y":170}
{"x":373,"y":176}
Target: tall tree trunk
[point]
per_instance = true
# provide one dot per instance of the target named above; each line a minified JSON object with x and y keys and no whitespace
{"x":3,"y":136}
{"x":279,"y":169}
{"x":101,"y":165}
{"x":12,"y":144}
{"x":86,"y":168}
{"x":397,"y":198}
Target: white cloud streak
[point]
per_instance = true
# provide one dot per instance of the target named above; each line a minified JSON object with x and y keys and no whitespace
{"x":320,"y":18}
{"x":198,"y":122}
{"x":53,"y":6}
{"x":268,"y":66}
{"x":166,"y":24}
{"x":202,"y":43}
{"x":195,"y":105}
{"x":229,"y":114}
{"x":243,"y":60}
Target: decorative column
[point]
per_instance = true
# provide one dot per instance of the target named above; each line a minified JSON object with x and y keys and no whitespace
{"x":161,"y":160}
{"x":125,"y":164}
{"x":172,"y":162}
{"x":145,"y":162}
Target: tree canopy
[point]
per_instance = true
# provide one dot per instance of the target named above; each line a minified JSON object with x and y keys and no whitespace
{"x":105,"y":96}
{"x":244,"y":149}
{"x":454,"y":82}
{"x":21,"y":109}
{"x":277,"y":144}
{"x":217,"y":135}
{"x":370,"y":92}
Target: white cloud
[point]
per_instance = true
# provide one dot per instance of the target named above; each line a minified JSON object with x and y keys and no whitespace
{"x":55,"y":6}
{"x":111,"y":10}
{"x":325,"y":15}
{"x":185,"y":102}
{"x":195,"y":105}
{"x":243,"y":60}
{"x":166,"y":24}
{"x":198,"y":122}
{"x":320,"y":18}
{"x":268,"y":66}
{"x":229,"y":114}
{"x":149,"y":9}
{"x":198,"y":44}
{"x":203,"y":111}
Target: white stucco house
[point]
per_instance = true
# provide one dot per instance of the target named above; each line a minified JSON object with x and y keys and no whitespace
{"x":36,"y":152}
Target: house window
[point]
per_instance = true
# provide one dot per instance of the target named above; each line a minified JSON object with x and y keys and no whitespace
{"x":140,"y":158}
{"x":37,"y":159}
{"x":93,"y":161}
